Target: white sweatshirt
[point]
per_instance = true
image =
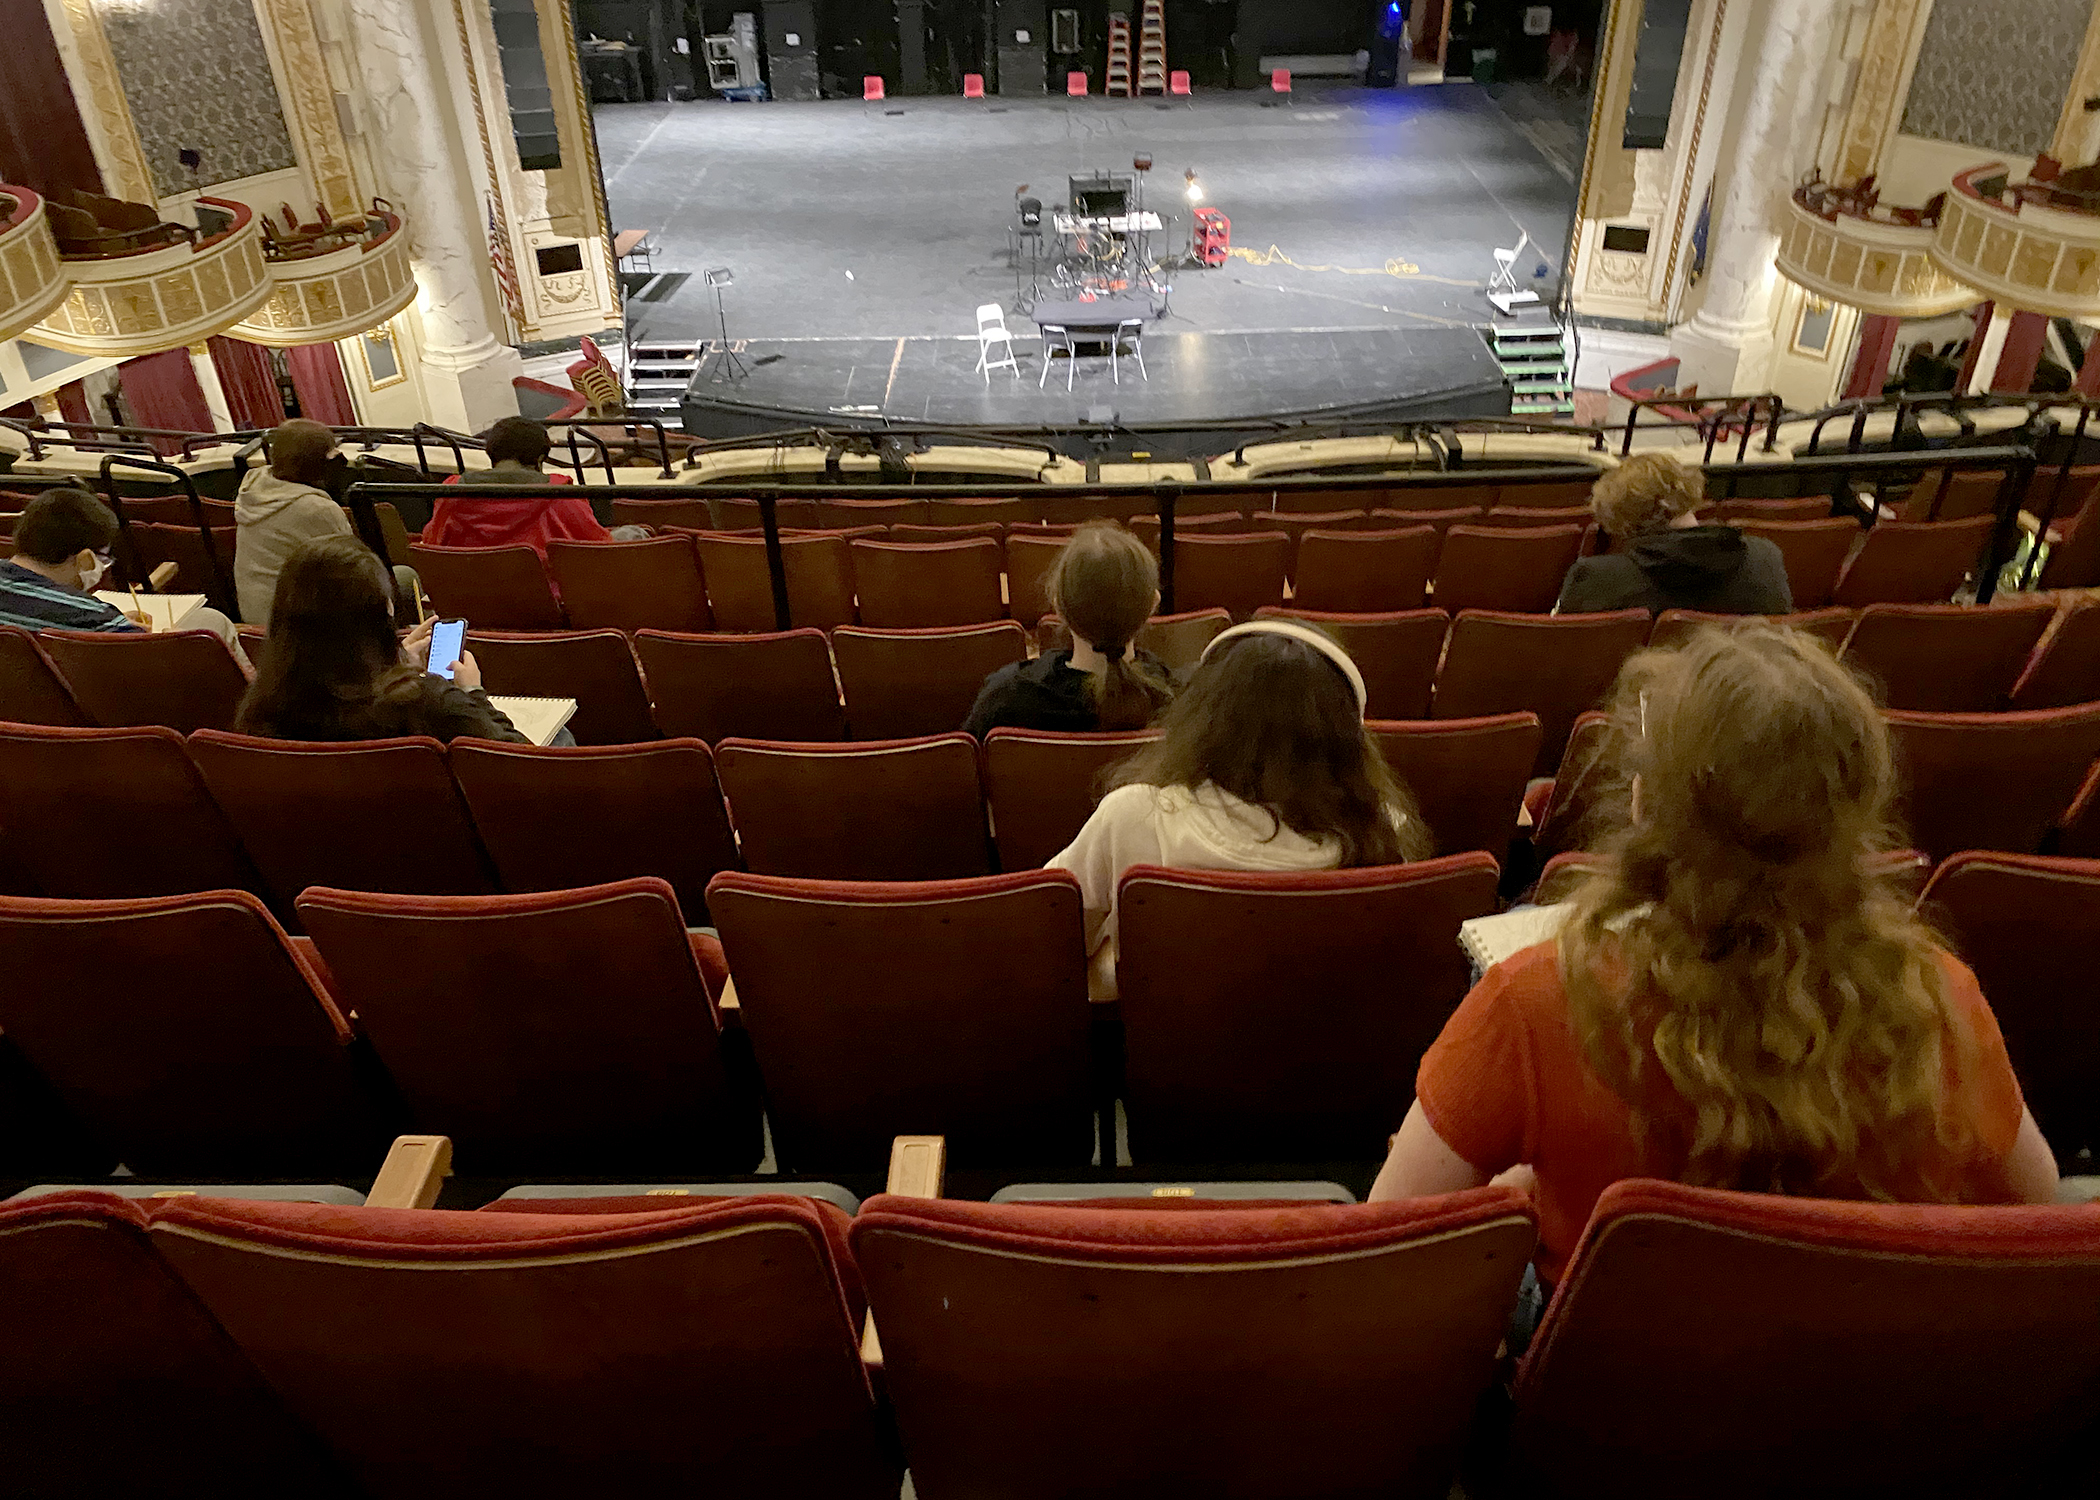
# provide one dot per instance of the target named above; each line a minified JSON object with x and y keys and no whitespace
{"x":1204,"y":829}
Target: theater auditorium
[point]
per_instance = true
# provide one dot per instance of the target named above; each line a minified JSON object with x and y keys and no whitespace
{"x":1344,"y":749}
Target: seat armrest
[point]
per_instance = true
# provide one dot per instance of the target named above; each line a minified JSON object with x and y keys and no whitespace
{"x":162,"y":575}
{"x":414,"y":1170}
{"x":917,"y":1165}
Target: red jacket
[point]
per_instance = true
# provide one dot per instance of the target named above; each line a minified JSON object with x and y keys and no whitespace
{"x":470,"y":520}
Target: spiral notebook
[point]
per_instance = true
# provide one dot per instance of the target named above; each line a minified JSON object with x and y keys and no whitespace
{"x":1487,"y":941}
{"x":538,"y":719}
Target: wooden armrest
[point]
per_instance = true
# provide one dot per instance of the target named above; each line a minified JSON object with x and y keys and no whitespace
{"x":917,"y":1165}
{"x":162,"y":575}
{"x":414,"y":1170}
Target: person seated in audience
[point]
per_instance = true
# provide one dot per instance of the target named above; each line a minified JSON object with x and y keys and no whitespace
{"x":517,"y":448}
{"x":336,"y":671}
{"x":1662,"y":557}
{"x":63,"y":545}
{"x":1263,"y":764}
{"x":1736,"y":998}
{"x":1104,"y":585}
{"x":280,"y":507}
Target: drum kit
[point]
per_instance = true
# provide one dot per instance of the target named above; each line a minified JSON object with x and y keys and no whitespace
{"x":1097,"y":242}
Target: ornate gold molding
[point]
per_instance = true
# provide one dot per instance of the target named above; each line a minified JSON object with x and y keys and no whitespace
{"x":1878,"y":96}
{"x":106,"y":112}
{"x":161,"y":299}
{"x":310,"y":103}
{"x":32,"y":282}
{"x":1691,"y":155}
{"x":488,"y":158}
{"x":596,"y":214}
{"x":334,"y":296}
{"x":1875,"y":266}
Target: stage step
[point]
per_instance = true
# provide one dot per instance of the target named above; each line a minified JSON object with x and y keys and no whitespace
{"x":1533,"y":355}
{"x":1152,"y":48}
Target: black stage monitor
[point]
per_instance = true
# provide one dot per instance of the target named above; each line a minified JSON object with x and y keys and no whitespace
{"x":1102,"y":197}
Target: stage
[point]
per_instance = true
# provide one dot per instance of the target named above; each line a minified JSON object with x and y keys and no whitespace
{"x":862,"y":239}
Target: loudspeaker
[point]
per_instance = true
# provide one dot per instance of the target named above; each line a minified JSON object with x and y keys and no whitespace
{"x":1656,"y":58}
{"x":1388,"y":45}
{"x":1023,"y":57}
{"x":791,"y":66}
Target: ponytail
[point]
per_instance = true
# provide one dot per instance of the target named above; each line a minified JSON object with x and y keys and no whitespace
{"x":1130,"y":693}
{"x":1104,"y":584}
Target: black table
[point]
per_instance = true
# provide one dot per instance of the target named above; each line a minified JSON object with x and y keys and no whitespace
{"x":1100,"y":316}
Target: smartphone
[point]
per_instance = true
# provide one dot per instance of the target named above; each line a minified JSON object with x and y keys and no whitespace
{"x":446,"y":639}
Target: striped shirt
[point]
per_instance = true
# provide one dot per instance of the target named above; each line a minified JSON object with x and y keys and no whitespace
{"x":30,"y":600}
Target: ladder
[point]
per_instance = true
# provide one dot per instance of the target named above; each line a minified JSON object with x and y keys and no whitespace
{"x":1118,"y":80}
{"x":1152,"y":48}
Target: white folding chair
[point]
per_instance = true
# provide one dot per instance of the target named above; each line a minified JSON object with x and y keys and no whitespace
{"x":1054,"y":339}
{"x":991,"y":330}
{"x":1130,"y":331}
{"x":1502,"y":287}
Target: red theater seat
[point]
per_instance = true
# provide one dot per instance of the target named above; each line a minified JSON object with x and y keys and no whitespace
{"x":874,"y":810}
{"x":93,"y":1314}
{"x":186,"y":1033}
{"x":1913,"y":562}
{"x":1877,"y":1350}
{"x":1216,"y":1073}
{"x":374,"y":815}
{"x":901,"y":683}
{"x":1397,"y":654}
{"x":770,"y":686}
{"x":1238,"y":574}
{"x":981,"y":1036}
{"x":617,"y":1354}
{"x":492,"y":588}
{"x":693,"y":515}
{"x":1028,"y":560}
{"x":1297,"y":1352}
{"x":596,"y":668}
{"x":1467,"y":776}
{"x":2030,"y":928}
{"x":2066,"y":666}
{"x":183,"y":679}
{"x":903,"y":586}
{"x":1520,"y":571}
{"x":1814,"y":552}
{"x":1833,"y":626}
{"x":1992,"y":781}
{"x":1554,"y":665}
{"x":158,"y":832}
{"x":542,"y":1032}
{"x":31,"y":692}
{"x":740,"y":588}
{"x":732,"y":513}
{"x":1578,"y":803}
{"x":554,"y":819}
{"x":1366,"y":572}
{"x":1045,"y":786}
{"x":1946,"y":658}
{"x":654,"y":584}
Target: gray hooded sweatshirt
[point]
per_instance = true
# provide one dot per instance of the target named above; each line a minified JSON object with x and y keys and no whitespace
{"x":274,"y":516}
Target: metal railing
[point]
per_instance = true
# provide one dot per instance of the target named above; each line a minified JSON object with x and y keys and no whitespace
{"x":1714,"y":416}
{"x":222,"y":583}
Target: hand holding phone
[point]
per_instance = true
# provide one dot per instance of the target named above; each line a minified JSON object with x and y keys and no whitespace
{"x":446,"y":639}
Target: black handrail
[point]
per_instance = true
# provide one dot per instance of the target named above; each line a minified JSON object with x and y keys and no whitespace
{"x":1712,"y":424}
{"x":453,"y":440}
{"x":604,"y":455}
{"x":1168,"y":495}
{"x":222,"y":586}
{"x":663,"y":440}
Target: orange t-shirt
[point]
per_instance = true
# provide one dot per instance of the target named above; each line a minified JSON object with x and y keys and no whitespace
{"x":1507,"y":1082}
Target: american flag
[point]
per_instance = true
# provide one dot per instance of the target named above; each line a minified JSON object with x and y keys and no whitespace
{"x":506,"y":273}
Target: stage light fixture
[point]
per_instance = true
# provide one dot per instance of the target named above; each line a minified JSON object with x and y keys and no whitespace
{"x":721,"y":276}
{"x":1195,"y":186}
{"x":1142,"y":162}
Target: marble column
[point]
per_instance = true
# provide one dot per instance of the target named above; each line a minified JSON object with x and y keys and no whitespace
{"x":215,"y":400}
{"x":1727,"y":346}
{"x":466,"y":369}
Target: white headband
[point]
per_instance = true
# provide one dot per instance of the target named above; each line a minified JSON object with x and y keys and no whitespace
{"x":1320,"y":641}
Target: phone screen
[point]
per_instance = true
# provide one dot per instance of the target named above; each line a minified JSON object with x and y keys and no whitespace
{"x":446,"y":638}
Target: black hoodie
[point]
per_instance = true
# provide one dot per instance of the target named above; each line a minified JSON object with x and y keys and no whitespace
{"x":1711,"y":568}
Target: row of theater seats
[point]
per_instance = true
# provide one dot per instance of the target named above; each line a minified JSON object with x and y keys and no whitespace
{"x":1124,"y":1349}
{"x":1351,"y":563}
{"x":897,"y":683}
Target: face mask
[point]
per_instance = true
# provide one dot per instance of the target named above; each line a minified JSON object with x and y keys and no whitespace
{"x":98,"y":571}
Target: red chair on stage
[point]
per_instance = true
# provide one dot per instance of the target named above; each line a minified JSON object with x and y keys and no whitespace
{"x":1075,"y":84}
{"x":871,"y":88}
{"x":1177,"y":82}
{"x":973,"y":85}
{"x":1280,"y":80}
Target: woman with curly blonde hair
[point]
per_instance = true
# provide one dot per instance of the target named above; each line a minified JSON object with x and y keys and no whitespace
{"x":1739,"y":997}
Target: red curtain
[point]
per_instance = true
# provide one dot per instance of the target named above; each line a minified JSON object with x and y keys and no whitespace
{"x":250,"y":384}
{"x":317,"y":375}
{"x":161,"y":390}
{"x":73,"y":403}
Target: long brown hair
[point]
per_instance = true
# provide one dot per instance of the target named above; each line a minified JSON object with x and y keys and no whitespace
{"x":332,"y":661}
{"x":1768,"y":1006}
{"x":1276,"y":724}
{"x":1103,"y":586}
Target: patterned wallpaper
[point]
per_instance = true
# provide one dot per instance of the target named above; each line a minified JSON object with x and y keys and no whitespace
{"x":1993,"y":73}
{"x":195,"y":74}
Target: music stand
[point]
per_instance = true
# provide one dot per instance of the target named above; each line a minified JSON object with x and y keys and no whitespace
{"x":728,"y":366}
